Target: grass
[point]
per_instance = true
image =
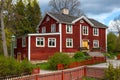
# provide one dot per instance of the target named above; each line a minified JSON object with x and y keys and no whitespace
{"x":44,"y":66}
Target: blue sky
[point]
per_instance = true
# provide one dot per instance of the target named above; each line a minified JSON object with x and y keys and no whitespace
{"x":101,"y":10}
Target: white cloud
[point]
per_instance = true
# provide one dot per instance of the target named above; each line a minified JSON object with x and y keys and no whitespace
{"x":106,"y":17}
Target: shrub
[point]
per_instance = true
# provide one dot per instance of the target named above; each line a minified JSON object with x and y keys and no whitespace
{"x":58,"y":58}
{"x":112,"y":73}
{"x":80,"y":56}
{"x":26,"y":67}
{"x":109,"y":55}
{"x":10,"y":67}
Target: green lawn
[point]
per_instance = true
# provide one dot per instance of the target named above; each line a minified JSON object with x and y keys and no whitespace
{"x":44,"y":66}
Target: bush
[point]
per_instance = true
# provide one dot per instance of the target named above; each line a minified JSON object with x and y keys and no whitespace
{"x":112,"y":73}
{"x":10,"y":67}
{"x":26,"y":67}
{"x":80,"y":56}
{"x":58,"y":58}
{"x":109,"y":55}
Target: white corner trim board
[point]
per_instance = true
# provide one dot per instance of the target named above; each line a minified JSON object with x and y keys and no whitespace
{"x":60,"y":30}
{"x":29,"y":41}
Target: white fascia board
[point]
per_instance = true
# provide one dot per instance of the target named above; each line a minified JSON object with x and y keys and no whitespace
{"x":85,"y":18}
{"x":40,"y":22}
{"x":53,"y":17}
{"x":42,"y":34}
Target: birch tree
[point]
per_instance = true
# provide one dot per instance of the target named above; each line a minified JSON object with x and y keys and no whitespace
{"x":2,"y":30}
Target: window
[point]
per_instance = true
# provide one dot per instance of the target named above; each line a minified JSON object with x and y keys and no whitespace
{"x":81,"y":21}
{"x":40,"y":42}
{"x":95,"y":44}
{"x":95,"y":32}
{"x":69,"y":42}
{"x":85,"y":30}
{"x":69,"y":29}
{"x":51,"y":42}
{"x":53,"y":28}
{"x":23,"y":41}
{"x":43,"y":29}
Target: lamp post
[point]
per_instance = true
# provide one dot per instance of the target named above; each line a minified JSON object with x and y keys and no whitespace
{"x":12,"y":45}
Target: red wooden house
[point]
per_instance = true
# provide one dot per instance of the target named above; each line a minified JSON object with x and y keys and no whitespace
{"x":60,"y":32}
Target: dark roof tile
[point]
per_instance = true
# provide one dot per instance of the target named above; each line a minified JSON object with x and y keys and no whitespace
{"x":68,"y":19}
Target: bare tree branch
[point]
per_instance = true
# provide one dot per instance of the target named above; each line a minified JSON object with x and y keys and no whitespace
{"x":72,"y":5}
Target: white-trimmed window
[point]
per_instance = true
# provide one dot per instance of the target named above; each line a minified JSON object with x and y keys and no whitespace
{"x":43,"y":29}
{"x":85,"y":30}
{"x":95,"y":43}
{"x":69,"y":29}
{"x":23,"y":41}
{"x":53,"y":28}
{"x":40,"y":41}
{"x":51,"y":42}
{"x":95,"y":31}
{"x":69,"y":42}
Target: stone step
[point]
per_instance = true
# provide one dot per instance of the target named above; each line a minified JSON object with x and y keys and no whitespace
{"x":97,"y":54}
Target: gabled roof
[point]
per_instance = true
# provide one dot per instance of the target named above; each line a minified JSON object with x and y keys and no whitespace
{"x":97,"y":24}
{"x":63,"y":18}
{"x":68,"y":19}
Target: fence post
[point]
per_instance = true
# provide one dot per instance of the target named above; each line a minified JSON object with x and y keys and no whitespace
{"x":85,"y":70}
{"x":62,"y":75}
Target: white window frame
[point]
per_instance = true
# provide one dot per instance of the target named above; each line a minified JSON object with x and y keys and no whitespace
{"x":23,"y":43}
{"x":53,"y":28}
{"x":68,"y":40}
{"x":94,"y":42}
{"x":95,"y":32}
{"x":40,"y":39}
{"x":85,"y":30}
{"x":69,"y":29}
{"x":44,"y":29}
{"x":52,"y":40}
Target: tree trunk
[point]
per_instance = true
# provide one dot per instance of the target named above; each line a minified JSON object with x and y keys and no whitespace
{"x":2,"y":30}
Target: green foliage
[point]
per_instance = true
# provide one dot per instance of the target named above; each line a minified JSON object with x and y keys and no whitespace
{"x":9,"y":67}
{"x":80,"y":56}
{"x":112,"y":73}
{"x":44,"y":66}
{"x":111,"y":41}
{"x":58,"y":58}
{"x":87,"y":78}
{"x":109,"y":55}
{"x":21,"y":18}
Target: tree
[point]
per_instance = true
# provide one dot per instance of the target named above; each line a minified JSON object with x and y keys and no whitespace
{"x":116,"y":25}
{"x":2,"y":30}
{"x":27,"y":16}
{"x":71,"y":5}
{"x":111,"y":42}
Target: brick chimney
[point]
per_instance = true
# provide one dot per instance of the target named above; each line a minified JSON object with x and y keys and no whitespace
{"x":65,"y":11}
